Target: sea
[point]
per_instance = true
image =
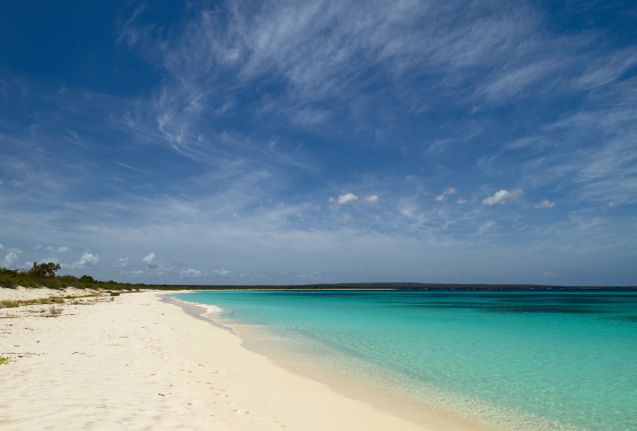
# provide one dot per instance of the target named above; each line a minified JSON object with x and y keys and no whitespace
{"x":519,"y":359}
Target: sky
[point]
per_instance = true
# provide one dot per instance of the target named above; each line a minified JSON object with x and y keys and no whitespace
{"x":324,"y":141}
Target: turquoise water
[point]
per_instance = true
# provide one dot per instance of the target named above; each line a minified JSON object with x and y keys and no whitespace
{"x":556,"y":359}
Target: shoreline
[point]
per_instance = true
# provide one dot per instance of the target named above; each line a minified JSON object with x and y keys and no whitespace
{"x":368,"y":390}
{"x":136,"y":362}
{"x":380,"y":388}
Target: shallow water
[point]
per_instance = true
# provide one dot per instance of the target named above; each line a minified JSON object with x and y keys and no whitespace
{"x":548,"y":359}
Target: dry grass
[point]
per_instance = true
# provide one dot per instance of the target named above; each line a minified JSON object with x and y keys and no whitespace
{"x":41,"y":301}
{"x":9,"y":304}
{"x":54,"y":311}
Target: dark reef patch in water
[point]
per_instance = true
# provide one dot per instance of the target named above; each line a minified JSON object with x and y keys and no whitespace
{"x":320,"y":293}
{"x":627,"y":318}
{"x":539,"y":309}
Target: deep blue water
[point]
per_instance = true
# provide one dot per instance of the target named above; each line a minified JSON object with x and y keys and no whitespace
{"x":553,"y":359}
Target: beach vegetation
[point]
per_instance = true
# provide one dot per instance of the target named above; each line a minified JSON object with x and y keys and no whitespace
{"x":52,"y":300}
{"x":45,"y":275}
{"x":54,"y":311}
{"x":4,"y":360}
{"x":9,"y":304}
{"x":42,"y":270}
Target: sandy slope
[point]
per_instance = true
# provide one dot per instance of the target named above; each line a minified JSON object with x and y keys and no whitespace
{"x":139,"y":363}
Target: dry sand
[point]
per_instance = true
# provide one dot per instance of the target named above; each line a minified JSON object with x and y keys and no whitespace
{"x":139,"y":363}
{"x":24,"y":293}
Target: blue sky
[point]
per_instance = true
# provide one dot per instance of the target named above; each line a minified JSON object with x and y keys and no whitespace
{"x":323,"y":141}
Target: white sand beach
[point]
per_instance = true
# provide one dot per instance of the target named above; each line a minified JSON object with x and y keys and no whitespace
{"x":138,"y":363}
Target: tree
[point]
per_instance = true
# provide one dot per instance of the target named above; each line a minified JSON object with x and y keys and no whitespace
{"x":42,"y":270}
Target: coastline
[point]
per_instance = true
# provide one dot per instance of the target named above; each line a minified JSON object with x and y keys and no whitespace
{"x":136,"y":362}
{"x":363,"y":387}
{"x":378,"y":387}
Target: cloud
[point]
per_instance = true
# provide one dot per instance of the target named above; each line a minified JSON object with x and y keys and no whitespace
{"x":122,"y":262}
{"x":265,"y":92}
{"x":316,"y":53}
{"x":87,"y":259}
{"x":501,"y":197}
{"x":350,"y":198}
{"x":11,"y":258}
{"x":444,"y":195}
{"x":1,"y":247}
{"x":60,"y":249}
{"x":149,"y":260}
{"x":220,"y":271}
{"x":51,"y":259}
{"x":190,"y":273}
{"x":544,"y":203}
{"x":128,"y":33}
{"x":485,"y":227}
{"x":346,"y":198}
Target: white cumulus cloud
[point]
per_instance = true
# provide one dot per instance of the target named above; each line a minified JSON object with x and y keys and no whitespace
{"x":220,"y":271}
{"x":372,"y":199}
{"x":444,"y":195}
{"x":11,"y":258}
{"x":149,"y":260}
{"x":87,"y":259}
{"x":544,"y":203}
{"x":501,"y":197}
{"x":346,"y":198}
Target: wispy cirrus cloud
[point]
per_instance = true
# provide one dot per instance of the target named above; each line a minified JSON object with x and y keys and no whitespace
{"x":444,"y":195}
{"x":259,"y":112}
